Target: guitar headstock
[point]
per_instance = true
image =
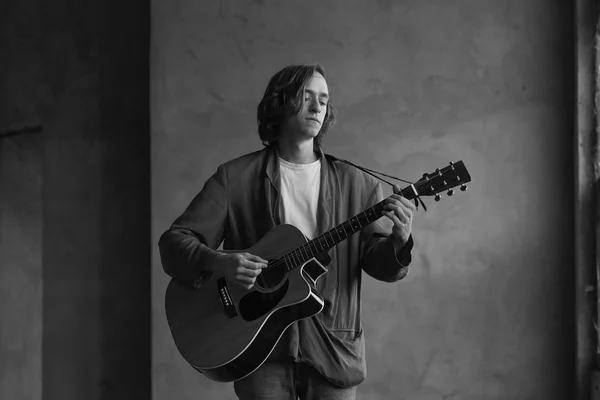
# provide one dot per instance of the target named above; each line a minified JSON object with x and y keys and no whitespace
{"x":447,"y":178}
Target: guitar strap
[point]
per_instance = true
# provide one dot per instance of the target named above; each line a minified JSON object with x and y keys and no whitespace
{"x":372,"y":173}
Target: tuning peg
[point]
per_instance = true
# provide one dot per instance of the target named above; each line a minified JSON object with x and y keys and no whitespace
{"x":463,"y":187}
{"x":452,"y":165}
{"x":437,"y":197}
{"x":450,"y":192}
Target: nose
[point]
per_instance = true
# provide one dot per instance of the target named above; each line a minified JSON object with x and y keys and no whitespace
{"x":315,"y":106}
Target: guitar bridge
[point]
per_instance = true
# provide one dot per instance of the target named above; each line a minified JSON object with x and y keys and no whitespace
{"x":225,"y":298}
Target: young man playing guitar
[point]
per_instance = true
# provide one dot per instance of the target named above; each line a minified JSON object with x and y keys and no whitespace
{"x":291,"y":181}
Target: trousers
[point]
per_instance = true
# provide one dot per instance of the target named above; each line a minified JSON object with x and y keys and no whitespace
{"x":289,"y":381}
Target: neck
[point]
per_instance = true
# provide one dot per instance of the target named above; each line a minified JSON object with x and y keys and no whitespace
{"x":298,"y":152}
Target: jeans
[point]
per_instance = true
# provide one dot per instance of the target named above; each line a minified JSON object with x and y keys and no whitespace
{"x":289,"y":381}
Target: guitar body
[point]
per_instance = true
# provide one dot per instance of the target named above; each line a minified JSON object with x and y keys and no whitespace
{"x":227,"y":332}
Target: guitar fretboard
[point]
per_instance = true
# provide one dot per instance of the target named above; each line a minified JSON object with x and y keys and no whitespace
{"x":338,"y":234}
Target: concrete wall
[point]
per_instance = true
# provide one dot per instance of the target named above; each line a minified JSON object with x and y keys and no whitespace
{"x":74,"y":250}
{"x":487,"y":311}
{"x":20,"y":268}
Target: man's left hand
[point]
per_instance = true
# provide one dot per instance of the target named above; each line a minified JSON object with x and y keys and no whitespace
{"x":401,"y":211}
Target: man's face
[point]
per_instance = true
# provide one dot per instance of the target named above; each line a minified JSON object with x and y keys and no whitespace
{"x":307,"y":123}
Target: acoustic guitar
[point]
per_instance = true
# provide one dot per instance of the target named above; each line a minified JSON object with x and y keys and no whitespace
{"x":226,"y":332}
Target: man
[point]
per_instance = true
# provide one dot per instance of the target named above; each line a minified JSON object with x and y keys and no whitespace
{"x":292,"y":181}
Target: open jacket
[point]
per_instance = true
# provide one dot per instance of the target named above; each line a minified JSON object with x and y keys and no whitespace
{"x":239,"y":204}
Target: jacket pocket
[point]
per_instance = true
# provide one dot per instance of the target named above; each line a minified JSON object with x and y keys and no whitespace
{"x":348,"y":356}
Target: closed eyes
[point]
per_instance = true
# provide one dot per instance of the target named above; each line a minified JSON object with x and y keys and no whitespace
{"x":323,"y":97}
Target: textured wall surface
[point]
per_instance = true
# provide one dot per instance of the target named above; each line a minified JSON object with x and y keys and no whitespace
{"x":486,"y":312}
{"x":20,"y":268}
{"x":75,"y":256}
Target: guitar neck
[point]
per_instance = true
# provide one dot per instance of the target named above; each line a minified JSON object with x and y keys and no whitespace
{"x":325,"y":241}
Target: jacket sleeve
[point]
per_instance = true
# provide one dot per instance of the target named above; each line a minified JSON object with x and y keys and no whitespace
{"x":380,"y":258}
{"x":188,"y":245}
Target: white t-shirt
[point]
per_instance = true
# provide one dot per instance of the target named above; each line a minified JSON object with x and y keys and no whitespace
{"x":300,"y":185}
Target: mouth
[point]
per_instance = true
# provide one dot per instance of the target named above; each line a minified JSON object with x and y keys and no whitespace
{"x":313,"y":120}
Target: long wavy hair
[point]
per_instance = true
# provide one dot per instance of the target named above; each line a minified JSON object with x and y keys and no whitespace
{"x":285,"y":91}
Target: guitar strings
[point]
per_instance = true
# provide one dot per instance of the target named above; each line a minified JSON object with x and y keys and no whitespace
{"x":297,"y":251}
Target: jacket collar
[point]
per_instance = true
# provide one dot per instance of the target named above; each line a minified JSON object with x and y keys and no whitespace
{"x":272,"y":168}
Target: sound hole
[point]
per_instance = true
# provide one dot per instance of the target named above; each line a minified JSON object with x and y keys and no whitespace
{"x":256,"y":304}
{"x":271,"y":279}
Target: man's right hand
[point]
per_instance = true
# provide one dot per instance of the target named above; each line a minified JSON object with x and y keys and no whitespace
{"x":241,"y":268}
